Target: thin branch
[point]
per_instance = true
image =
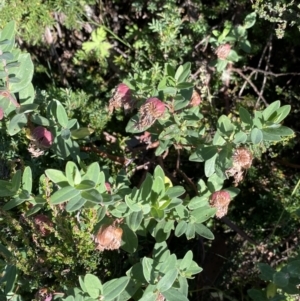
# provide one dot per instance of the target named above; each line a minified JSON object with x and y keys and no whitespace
{"x":238,"y":71}
{"x":266,"y":69}
{"x":234,"y":227}
{"x":270,"y":73}
{"x":245,"y":84}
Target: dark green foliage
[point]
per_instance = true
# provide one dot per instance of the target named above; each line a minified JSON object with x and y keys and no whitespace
{"x":150,"y":179}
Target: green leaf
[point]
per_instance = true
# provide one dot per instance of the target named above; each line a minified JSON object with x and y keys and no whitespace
{"x":92,"y":173}
{"x":65,"y":134}
{"x":27,"y":179}
{"x":204,"y":153}
{"x":204,"y":231}
{"x":245,"y":116}
{"x":85,"y":185}
{"x":281,"y":279}
{"x":13,"y":203}
{"x":4,"y":251}
{"x":129,"y":239}
{"x":75,"y":203}
{"x":179,"y":103}
{"x":36,"y":208}
{"x":180,"y":228}
{"x":257,"y":295}
{"x":209,"y":166}
{"x":73,"y":173}
{"x":26,"y":108}
{"x":24,"y":73}
{"x":8,"y":33}
{"x":16,"y":124}
{"x":279,"y":131}
{"x":281,"y":113}
{"x":175,"y":191}
{"x":190,"y":231}
{"x":27,"y":95}
{"x":197,"y":202}
{"x":132,"y":125}
{"x":16,"y":181}
{"x":148,"y":272}
{"x":250,"y":20}
{"x":93,"y":285}
{"x":146,"y":187}
{"x":183,"y":72}
{"x":149,"y":296}
{"x":114,"y":288}
{"x":184,"y":85}
{"x":173,"y":294}
{"x":134,"y":219}
{"x":71,"y":123}
{"x":56,"y":176}
{"x":158,"y":189}
{"x":270,"y":111}
{"x":63,"y":195}
{"x":186,"y":261}
{"x":92,"y":195}
{"x":40,"y":120}
{"x":256,"y":136}
{"x":221,"y":65}
{"x":203,"y":214}
{"x":61,"y":115}
{"x":81,"y":133}
{"x":225,"y":126}
{"x":240,"y":138}
{"x":215,"y":183}
{"x":7,"y":56}
{"x":167,"y":280}
{"x":266,"y":272}
{"x":169,"y":70}
{"x":10,"y":277}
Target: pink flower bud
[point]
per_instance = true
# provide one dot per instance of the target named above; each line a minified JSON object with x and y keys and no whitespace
{"x":242,"y":157}
{"x":154,"y":106}
{"x":195,"y":100}
{"x":43,"y":223}
{"x":150,"y":111}
{"x":222,"y":51}
{"x":121,"y":98}
{"x":108,"y":238}
{"x":42,"y":136}
{"x":108,"y":187}
{"x":220,"y":200}
{"x":1,"y":113}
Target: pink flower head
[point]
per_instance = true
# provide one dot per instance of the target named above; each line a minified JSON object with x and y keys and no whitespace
{"x":220,"y":200}
{"x":1,"y":113}
{"x":150,"y":111}
{"x":42,"y":136}
{"x":43,"y":224}
{"x":195,"y":100}
{"x":222,"y":51}
{"x":108,"y":187}
{"x":121,"y":98}
{"x":242,"y":160}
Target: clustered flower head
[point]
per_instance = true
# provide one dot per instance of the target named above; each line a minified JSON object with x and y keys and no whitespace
{"x":195,"y":100}
{"x":108,"y":237}
{"x":220,"y":200}
{"x":242,"y":160}
{"x":41,"y":139}
{"x":223,"y":51}
{"x":121,"y":98}
{"x":150,"y":111}
{"x":43,"y":224}
{"x":1,"y":113}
